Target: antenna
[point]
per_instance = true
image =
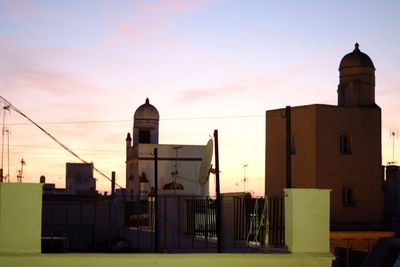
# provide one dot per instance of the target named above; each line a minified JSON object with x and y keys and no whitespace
{"x":8,"y":155}
{"x":3,"y":130}
{"x":244,"y":177}
{"x":20,"y":172}
{"x":394,"y":134}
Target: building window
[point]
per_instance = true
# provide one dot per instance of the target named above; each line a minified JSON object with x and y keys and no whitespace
{"x":348,"y":197}
{"x":144,"y":137}
{"x":345,"y":144}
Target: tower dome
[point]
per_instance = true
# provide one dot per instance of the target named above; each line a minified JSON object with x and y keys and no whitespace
{"x":146,"y":112}
{"x":357,"y":80}
{"x":356,"y":59}
{"x":145,"y":124}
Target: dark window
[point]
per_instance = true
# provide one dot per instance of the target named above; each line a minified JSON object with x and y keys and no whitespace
{"x":144,"y":137}
{"x":348,"y":197}
{"x":345,"y":144}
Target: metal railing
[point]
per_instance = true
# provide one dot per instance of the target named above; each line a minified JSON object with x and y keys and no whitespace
{"x":256,"y":218}
{"x":201,"y":217}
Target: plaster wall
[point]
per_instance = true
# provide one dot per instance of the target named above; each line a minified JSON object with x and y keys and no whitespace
{"x":20,"y":218}
{"x":170,"y":260}
{"x":318,"y":163}
{"x":303,"y":149}
{"x":307,"y":220}
{"x":360,"y":170}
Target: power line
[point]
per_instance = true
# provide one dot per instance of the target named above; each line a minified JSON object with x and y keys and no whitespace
{"x":52,"y":137}
{"x":165,"y":119}
{"x":82,"y":149}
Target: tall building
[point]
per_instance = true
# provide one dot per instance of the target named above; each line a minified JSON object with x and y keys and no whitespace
{"x":334,"y":147}
{"x":178,"y":165}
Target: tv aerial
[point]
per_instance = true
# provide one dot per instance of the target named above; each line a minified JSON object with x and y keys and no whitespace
{"x":205,"y":166}
{"x":394,"y":134}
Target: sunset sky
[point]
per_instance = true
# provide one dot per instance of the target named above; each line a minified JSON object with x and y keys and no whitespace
{"x":81,"y":68}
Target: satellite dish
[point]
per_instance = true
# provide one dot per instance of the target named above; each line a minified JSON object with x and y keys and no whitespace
{"x":206,"y":162}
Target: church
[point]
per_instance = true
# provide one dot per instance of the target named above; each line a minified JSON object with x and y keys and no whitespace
{"x":335,"y":147}
{"x":182,"y":169}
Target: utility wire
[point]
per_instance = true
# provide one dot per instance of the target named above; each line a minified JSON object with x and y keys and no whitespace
{"x":52,"y":137}
{"x":82,"y":149}
{"x":166,"y":119}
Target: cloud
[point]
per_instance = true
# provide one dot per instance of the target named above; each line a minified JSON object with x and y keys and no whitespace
{"x":43,"y":80}
{"x":259,"y":81}
{"x":23,"y":69}
{"x":147,"y":18}
{"x":22,"y":11}
{"x":198,"y":94}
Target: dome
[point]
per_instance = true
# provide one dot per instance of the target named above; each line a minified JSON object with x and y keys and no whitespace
{"x":356,"y":59}
{"x":147,"y":112}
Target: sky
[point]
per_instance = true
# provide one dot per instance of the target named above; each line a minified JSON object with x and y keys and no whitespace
{"x":81,"y":68}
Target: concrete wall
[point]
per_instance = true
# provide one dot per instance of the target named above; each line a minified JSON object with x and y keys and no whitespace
{"x":169,"y":260}
{"x":275,"y":153}
{"x":361,"y":170}
{"x":307,"y":220}
{"x":20,"y":218}
{"x":303,"y":147}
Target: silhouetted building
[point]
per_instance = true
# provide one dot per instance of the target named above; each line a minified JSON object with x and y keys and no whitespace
{"x":79,"y":178}
{"x":334,"y":147}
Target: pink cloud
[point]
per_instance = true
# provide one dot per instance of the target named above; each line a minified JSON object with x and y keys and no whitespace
{"x":148,"y":18}
{"x":260,"y":81}
{"x":40,"y":69}
{"x":21,"y":11}
{"x":27,"y":78}
{"x":199,"y":94}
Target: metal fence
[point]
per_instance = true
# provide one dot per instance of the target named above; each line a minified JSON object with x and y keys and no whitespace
{"x":276,"y":221}
{"x":251,"y":222}
{"x":185,"y":223}
{"x":256,"y":218}
{"x":77,"y":224}
{"x":201,"y":217}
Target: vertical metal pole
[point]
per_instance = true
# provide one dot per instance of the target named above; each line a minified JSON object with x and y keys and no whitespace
{"x":2,"y":145}
{"x":95,"y":224}
{"x":112,"y":184}
{"x":288,"y":147}
{"x":218,"y":194}
{"x":156,"y":248}
{"x":110,"y":200}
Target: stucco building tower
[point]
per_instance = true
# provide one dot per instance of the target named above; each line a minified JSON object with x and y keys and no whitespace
{"x":334,"y":147}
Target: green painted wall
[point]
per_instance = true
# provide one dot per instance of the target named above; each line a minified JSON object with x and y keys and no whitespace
{"x":20,"y":218}
{"x":168,"y":260}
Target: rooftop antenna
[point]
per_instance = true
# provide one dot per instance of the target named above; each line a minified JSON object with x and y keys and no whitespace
{"x":20,"y":172}
{"x":3,"y":130}
{"x":8,"y":155}
{"x":244,"y":177}
{"x":394,"y":134}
